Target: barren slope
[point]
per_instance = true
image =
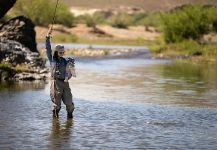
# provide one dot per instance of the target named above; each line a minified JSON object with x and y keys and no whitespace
{"x":148,"y":5}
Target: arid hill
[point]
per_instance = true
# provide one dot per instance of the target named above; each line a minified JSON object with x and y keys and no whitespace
{"x":147,"y":5}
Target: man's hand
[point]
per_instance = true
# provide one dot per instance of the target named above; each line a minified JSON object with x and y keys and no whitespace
{"x":49,"y":32}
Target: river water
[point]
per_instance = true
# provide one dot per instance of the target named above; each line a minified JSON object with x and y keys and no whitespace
{"x":120,"y":104}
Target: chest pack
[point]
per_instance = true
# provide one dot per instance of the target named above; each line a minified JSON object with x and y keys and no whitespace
{"x":58,"y":69}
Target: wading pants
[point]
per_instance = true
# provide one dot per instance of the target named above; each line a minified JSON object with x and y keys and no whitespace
{"x":60,"y":91}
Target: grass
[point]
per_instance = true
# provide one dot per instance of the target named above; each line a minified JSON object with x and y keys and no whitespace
{"x":115,"y":41}
{"x":62,"y":38}
{"x":65,"y":38}
{"x":188,"y":49}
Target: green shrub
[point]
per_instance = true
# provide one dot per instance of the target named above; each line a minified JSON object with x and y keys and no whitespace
{"x":121,"y":20}
{"x":147,"y":19}
{"x":191,"y":47}
{"x":100,"y":17}
{"x":64,"y":16}
{"x":212,"y":16}
{"x":124,"y":20}
{"x":89,"y":21}
{"x":92,"y":20}
{"x":190,"y":22}
{"x":41,"y":12}
{"x":138,"y":17}
{"x":6,"y":71}
{"x":158,"y":46}
{"x":210,"y":50}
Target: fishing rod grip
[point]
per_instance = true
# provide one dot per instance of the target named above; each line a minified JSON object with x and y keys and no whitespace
{"x":50,"y":31}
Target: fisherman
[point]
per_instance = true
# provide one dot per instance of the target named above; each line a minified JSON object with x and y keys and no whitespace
{"x":59,"y":89}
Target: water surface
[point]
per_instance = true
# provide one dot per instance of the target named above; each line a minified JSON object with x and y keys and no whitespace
{"x":120,"y":104}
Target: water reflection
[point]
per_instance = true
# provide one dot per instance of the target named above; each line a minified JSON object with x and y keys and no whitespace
{"x":22,"y":85}
{"x":191,"y":84}
{"x":147,"y":81}
{"x":60,"y":134}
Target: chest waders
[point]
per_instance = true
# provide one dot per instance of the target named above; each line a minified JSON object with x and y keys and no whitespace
{"x":60,"y":90}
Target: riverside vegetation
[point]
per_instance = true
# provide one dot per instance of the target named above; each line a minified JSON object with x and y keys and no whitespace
{"x":182,"y":29}
{"x":185,"y":30}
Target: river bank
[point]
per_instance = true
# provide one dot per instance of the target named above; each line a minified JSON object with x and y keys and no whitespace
{"x":188,"y":50}
{"x":203,"y":50}
{"x":78,"y":51}
{"x":185,"y":52}
{"x":100,"y":51}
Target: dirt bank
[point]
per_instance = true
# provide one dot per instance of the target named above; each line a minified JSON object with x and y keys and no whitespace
{"x":82,"y":31}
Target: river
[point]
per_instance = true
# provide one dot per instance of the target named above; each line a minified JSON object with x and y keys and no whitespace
{"x":120,"y":104}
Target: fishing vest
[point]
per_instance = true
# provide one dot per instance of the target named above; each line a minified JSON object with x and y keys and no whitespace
{"x":58,"y":69}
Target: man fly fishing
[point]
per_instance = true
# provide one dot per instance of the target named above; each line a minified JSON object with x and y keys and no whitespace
{"x":59,"y":90}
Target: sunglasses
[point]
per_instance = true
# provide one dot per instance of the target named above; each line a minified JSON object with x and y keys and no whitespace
{"x":61,"y":52}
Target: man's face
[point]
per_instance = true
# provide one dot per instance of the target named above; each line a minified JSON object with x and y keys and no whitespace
{"x":61,"y":52}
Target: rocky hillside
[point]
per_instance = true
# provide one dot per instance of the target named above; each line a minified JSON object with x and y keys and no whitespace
{"x":147,"y":5}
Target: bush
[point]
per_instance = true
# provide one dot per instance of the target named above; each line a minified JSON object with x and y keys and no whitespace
{"x":212,"y":16}
{"x":158,"y":46}
{"x":6,"y":71}
{"x":190,"y":22}
{"x":121,"y":20}
{"x":41,"y":12}
{"x":100,"y":17}
{"x":152,"y":19}
{"x":210,"y":50}
{"x":89,"y":21}
{"x":64,"y":16}
{"x":93,"y":20}
{"x":139,"y":17}
{"x":191,"y":47}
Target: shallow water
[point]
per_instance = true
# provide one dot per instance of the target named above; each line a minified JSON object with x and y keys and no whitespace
{"x":94,"y":46}
{"x":147,"y":81}
{"x":120,"y":104}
